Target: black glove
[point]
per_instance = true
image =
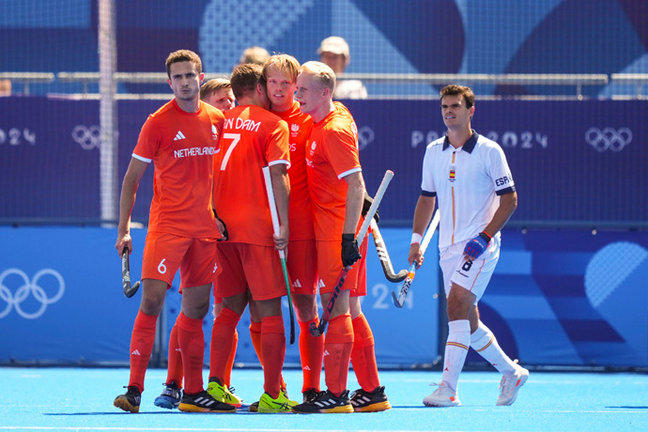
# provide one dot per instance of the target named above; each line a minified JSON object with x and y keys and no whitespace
{"x":366,"y":204}
{"x":225,"y":233}
{"x":350,"y":252}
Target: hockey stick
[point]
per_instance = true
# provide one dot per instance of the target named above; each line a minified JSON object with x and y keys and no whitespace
{"x":399,"y":299}
{"x":383,"y":255}
{"x":319,"y":330}
{"x":282,"y":254}
{"x":129,"y":291}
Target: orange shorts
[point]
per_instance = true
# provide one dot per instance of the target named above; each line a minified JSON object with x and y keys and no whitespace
{"x":358,"y":274}
{"x":329,"y":267}
{"x":246,"y":266}
{"x":302,"y":266}
{"x":164,"y":253}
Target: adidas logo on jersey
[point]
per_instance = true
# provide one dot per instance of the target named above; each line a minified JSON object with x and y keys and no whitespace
{"x":179,"y":136}
{"x":320,"y":284}
{"x":136,"y":352}
{"x":297,"y":284}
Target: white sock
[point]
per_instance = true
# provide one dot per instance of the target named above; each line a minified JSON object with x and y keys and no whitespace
{"x":483,"y":341}
{"x":455,"y":351}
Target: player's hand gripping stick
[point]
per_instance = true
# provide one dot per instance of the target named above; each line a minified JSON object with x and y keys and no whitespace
{"x":399,"y":299}
{"x":282,"y":254}
{"x":326,"y":315}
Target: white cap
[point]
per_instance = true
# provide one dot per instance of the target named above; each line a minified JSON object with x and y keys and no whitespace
{"x":335,"y":45}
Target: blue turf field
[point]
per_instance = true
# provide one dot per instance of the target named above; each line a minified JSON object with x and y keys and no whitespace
{"x":74,"y":399}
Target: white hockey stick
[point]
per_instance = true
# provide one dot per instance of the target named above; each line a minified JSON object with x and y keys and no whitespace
{"x":399,"y":299}
{"x":282,"y":254}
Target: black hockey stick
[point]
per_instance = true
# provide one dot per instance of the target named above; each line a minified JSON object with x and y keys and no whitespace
{"x":399,"y":299}
{"x":129,"y":291}
{"x":383,"y":255}
{"x":326,"y":315}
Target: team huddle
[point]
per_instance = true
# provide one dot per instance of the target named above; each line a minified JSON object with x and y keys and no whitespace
{"x":211,"y":219}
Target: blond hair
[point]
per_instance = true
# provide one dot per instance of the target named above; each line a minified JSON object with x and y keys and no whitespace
{"x":284,"y":63}
{"x":322,"y":73}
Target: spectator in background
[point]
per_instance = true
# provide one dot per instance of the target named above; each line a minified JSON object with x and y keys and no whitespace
{"x":5,"y":87}
{"x":218,"y":92}
{"x":255,"y":55}
{"x":334,"y":52}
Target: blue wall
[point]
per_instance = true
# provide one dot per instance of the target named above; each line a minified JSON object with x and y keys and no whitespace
{"x":556,"y":298}
{"x":574,"y":162}
{"x":61,"y":302}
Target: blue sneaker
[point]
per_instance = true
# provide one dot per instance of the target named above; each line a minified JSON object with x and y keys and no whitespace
{"x":170,"y":397}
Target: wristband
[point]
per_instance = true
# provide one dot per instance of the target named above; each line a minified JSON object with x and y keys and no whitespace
{"x":416,"y":238}
{"x":485,"y":236}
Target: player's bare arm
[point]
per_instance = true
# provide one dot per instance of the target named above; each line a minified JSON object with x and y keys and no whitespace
{"x":422,"y":215}
{"x":508,"y":204}
{"x":130,"y":184}
{"x":281,"y":188}
{"x":354,"y":201}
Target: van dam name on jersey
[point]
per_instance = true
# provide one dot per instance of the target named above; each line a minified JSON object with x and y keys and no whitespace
{"x":242,"y":124}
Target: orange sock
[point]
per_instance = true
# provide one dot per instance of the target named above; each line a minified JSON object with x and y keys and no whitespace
{"x":174,"y":367}
{"x":230,"y":360}
{"x":255,"y":335}
{"x":337,"y":346}
{"x":141,"y":346}
{"x":363,"y":355}
{"x":222,"y":338}
{"x":191,"y":341}
{"x":311,"y":353}
{"x":273,"y":346}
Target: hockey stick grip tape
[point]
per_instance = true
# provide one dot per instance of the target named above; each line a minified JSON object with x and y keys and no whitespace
{"x":272,"y":204}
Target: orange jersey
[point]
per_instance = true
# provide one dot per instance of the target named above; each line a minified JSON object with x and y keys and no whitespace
{"x":181,"y":145}
{"x":252,"y":138}
{"x":331,"y":154}
{"x":300,"y":209}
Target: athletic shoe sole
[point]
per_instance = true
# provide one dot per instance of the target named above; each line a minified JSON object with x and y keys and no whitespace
{"x":194,"y":408}
{"x":122,"y":403}
{"x":375,"y":407}
{"x":166,"y":402}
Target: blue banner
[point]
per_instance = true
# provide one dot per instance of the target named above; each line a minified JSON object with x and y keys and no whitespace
{"x":574,"y":162}
{"x":557,"y":297}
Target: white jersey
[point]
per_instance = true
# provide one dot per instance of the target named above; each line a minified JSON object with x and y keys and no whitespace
{"x":349,"y":89}
{"x":466,"y":182}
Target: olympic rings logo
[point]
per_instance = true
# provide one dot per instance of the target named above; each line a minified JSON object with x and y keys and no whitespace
{"x":28,"y":287}
{"x":366,"y":136}
{"x":87,"y":137}
{"x":608,"y":138}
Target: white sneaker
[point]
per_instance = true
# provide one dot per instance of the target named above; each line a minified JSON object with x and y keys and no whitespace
{"x":510,"y":385}
{"x":443,"y":396}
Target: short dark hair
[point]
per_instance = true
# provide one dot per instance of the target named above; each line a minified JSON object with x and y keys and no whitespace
{"x":454,"y":89}
{"x":214,"y":85}
{"x":245,"y":77}
{"x":181,"y":56}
